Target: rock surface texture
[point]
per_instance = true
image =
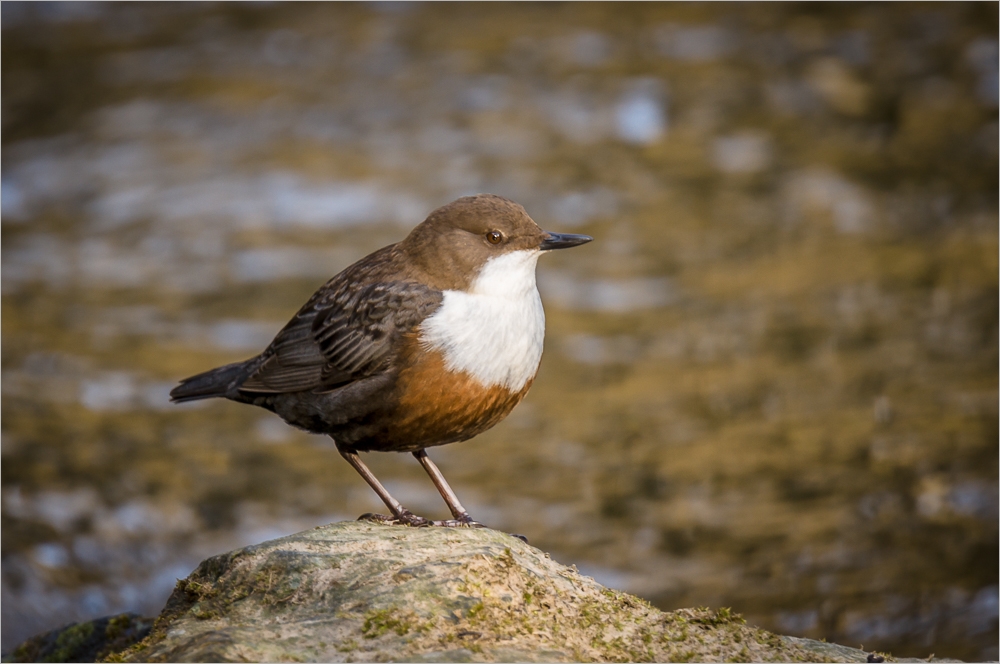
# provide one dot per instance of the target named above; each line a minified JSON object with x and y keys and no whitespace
{"x":89,"y":641}
{"x":359,"y":591}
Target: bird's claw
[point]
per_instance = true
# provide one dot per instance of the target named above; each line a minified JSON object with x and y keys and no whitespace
{"x":408,"y":518}
{"x":376,"y":518}
{"x":405,"y":519}
{"x":461,"y":522}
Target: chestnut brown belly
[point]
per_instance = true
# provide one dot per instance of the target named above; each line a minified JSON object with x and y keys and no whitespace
{"x":436,"y":406}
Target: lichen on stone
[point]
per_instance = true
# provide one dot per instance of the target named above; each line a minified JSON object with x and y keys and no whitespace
{"x":365,"y":592}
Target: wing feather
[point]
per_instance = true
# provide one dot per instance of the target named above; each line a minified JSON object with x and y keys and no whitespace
{"x":341,"y":335}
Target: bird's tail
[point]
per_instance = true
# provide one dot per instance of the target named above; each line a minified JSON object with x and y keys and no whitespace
{"x":215,"y":383}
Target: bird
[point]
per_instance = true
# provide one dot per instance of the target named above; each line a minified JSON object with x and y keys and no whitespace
{"x":429,"y":341}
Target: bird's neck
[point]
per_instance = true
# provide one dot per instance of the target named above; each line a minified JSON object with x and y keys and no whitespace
{"x":495,"y":330}
{"x":510,"y":275}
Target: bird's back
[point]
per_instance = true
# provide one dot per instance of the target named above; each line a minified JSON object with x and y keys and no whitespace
{"x":348,"y":331}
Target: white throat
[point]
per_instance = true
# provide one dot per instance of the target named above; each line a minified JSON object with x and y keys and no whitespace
{"x":494,"y":331}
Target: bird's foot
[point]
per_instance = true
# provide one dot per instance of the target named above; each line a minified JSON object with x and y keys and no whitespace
{"x":466,"y":521}
{"x":377,"y":518}
{"x":406,"y":518}
{"x":463,"y":521}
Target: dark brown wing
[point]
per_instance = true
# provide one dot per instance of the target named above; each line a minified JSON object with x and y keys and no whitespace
{"x":342,"y":334}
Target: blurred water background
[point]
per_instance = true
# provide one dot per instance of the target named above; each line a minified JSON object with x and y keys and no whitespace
{"x":770,"y":384}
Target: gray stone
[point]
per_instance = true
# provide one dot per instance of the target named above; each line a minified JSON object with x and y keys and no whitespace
{"x":89,"y":641}
{"x":360,"y":591}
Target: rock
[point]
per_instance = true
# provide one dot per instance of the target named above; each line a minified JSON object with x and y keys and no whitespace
{"x":832,"y":652}
{"x":84,"y":642}
{"x":359,"y":591}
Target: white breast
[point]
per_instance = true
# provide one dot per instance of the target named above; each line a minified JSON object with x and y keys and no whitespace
{"x":495,"y":331}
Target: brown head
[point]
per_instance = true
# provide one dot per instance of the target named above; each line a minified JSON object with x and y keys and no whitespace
{"x":456,"y":240}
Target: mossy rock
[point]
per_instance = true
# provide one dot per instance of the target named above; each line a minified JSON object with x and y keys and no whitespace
{"x":360,"y":591}
{"x":84,"y":642}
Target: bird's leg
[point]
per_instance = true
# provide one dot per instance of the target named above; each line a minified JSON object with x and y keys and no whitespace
{"x":399,"y":513}
{"x":461,"y":515}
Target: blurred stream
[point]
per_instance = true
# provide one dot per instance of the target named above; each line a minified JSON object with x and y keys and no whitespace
{"x":770,"y":384}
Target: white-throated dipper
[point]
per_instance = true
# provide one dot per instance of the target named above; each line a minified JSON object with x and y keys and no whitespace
{"x":429,"y":341}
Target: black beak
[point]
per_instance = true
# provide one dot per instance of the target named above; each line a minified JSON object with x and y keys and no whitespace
{"x":562,"y":241}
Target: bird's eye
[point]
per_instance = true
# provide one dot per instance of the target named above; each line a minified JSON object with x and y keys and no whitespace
{"x":494,"y":237}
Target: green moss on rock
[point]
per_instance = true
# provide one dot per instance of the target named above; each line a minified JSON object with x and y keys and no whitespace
{"x":368,"y":592}
{"x":84,"y":642}
{"x":361,"y":592}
